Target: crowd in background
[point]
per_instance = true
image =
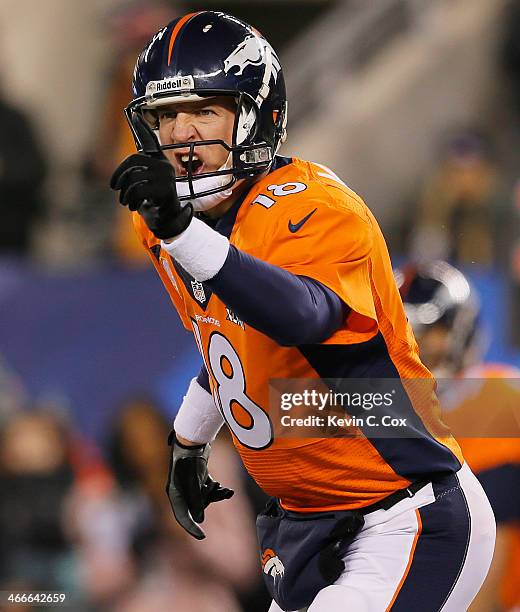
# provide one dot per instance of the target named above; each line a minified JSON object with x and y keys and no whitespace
{"x":93,"y":520}
{"x":100,"y":528}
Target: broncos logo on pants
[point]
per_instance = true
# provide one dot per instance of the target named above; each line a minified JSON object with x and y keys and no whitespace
{"x":271,"y":563}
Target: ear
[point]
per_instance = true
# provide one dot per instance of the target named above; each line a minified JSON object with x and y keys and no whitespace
{"x":146,"y":137}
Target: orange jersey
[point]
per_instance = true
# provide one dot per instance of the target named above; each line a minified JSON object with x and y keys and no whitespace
{"x":342,"y":247}
{"x":484,"y":412}
{"x":510,"y":583}
{"x":485,"y":404}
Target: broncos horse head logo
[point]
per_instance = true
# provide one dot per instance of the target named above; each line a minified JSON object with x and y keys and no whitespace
{"x":271,"y":564}
{"x":248,"y":53}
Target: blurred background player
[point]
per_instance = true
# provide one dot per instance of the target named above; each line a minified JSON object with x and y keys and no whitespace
{"x":480,"y":402}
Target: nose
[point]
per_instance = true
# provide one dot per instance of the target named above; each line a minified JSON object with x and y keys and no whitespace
{"x":183,"y":128}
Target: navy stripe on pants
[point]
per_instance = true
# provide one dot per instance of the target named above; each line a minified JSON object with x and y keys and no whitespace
{"x":443,"y":543}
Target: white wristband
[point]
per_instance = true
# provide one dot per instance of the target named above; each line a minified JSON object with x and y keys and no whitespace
{"x":200,"y":250}
{"x":198,"y":419}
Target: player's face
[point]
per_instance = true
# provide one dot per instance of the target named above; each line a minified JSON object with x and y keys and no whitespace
{"x":185,"y":122}
{"x":434,"y":346}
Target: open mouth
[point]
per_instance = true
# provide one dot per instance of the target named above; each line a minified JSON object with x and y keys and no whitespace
{"x":185,"y":164}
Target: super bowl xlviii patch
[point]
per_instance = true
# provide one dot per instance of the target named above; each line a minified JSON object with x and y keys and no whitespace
{"x":198,"y":291}
{"x":231,"y":316}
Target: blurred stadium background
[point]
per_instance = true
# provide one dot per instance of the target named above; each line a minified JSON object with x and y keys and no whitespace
{"x":414,"y":103}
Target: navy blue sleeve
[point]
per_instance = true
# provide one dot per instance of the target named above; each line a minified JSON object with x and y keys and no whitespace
{"x":290,"y":309}
{"x":203,"y":378}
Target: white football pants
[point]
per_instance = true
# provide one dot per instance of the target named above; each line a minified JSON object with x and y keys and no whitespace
{"x":427,"y":553}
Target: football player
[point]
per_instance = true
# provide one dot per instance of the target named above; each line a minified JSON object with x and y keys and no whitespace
{"x":281,"y":271}
{"x":480,"y":401}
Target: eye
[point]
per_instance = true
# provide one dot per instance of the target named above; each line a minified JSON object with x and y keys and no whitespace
{"x":206,"y":112}
{"x":150,"y":116}
{"x":166,"y":115}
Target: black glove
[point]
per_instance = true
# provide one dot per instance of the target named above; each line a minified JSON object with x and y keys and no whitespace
{"x":330,"y":561}
{"x":147,"y":184}
{"x":189,"y":487}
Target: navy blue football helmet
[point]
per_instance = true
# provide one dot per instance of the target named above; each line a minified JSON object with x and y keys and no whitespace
{"x":436,"y":293}
{"x":208,"y":54}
